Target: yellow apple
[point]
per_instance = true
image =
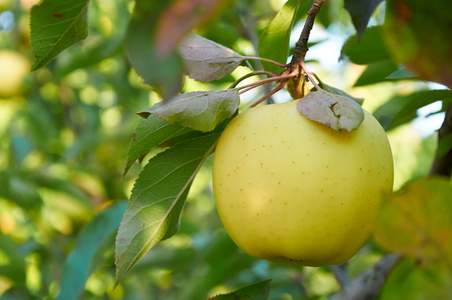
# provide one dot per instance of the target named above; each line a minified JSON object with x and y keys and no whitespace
{"x":292,"y":190}
{"x":14,"y":68}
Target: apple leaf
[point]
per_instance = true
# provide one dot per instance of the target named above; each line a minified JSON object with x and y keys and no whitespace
{"x":56,"y":25}
{"x":256,"y":291}
{"x":149,"y":133}
{"x":206,"y":60}
{"x":403,"y":73}
{"x":417,"y":221}
{"x":360,"y":12}
{"x":336,"y":91}
{"x":158,"y":197}
{"x":411,"y":279}
{"x":335,"y":111}
{"x":180,"y":17}
{"x":92,"y":241}
{"x":197,"y":110}
{"x":274,"y":40}
{"x":371,"y":48}
{"x":163,"y":73}
{"x":376,"y":72}
{"x":401,"y":109}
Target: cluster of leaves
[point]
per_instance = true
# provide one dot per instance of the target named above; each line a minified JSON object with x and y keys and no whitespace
{"x":192,"y":122}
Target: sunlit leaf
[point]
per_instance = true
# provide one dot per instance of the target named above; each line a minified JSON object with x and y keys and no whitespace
{"x":149,"y":133}
{"x":56,"y":25}
{"x":335,"y":111}
{"x":92,"y":241}
{"x":274,"y":40}
{"x":162,"y":73}
{"x":181,"y":17}
{"x":158,"y":198}
{"x":360,"y":12}
{"x":256,"y":291}
{"x":417,"y":221}
{"x":371,"y":48}
{"x":206,"y":60}
{"x":198,"y":110}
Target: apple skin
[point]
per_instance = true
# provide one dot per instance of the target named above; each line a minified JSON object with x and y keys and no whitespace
{"x":291,"y":190}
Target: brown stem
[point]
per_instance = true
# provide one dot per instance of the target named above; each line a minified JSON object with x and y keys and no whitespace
{"x":442,"y":164}
{"x":301,"y":47}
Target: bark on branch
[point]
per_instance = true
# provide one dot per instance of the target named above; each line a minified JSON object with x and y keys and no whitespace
{"x":368,"y":284}
{"x":442,"y":164}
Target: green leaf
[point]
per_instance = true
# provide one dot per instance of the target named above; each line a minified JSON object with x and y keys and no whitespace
{"x":198,"y":110}
{"x":14,"y":269}
{"x":336,"y":91}
{"x":206,"y":60}
{"x":361,"y":11}
{"x":149,"y":133}
{"x":256,"y":291}
{"x":158,"y":198}
{"x":417,"y":221}
{"x":92,"y":242}
{"x":402,"y":109}
{"x":402,"y":73}
{"x":335,"y":111}
{"x":445,"y":145}
{"x":56,"y":25}
{"x":412,"y":279}
{"x":274,"y":40}
{"x":371,"y":48}
{"x":376,"y":72}
{"x":164,"y":73}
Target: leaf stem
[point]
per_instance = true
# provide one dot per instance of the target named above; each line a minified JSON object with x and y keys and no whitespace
{"x":261,"y":72}
{"x":263,"y":81}
{"x":303,"y":66}
{"x":265,"y":59}
{"x":274,"y":91}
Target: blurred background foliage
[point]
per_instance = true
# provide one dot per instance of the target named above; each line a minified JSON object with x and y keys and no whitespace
{"x":64,"y":135}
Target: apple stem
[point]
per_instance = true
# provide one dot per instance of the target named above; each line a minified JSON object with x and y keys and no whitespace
{"x":303,"y":66}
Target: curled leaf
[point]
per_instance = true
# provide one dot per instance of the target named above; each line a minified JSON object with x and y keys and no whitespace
{"x":335,"y":111}
{"x":197,"y":110}
{"x":206,"y":60}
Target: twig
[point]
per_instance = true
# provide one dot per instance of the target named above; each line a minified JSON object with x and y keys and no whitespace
{"x":340,"y":272}
{"x":368,"y":284}
{"x":442,"y":165}
{"x":301,"y":47}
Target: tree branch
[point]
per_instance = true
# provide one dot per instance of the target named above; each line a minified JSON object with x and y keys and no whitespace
{"x":442,"y":165}
{"x":368,"y":284}
{"x":301,"y":47}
